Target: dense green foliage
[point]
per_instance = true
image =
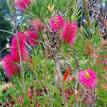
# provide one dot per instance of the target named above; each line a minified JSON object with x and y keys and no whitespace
{"x":40,"y":72}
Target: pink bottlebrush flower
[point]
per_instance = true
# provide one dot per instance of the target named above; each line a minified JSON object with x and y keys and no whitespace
{"x":88,"y":78}
{"x":18,"y":43}
{"x":22,"y":4}
{"x":32,"y":37}
{"x":56,"y":22}
{"x":37,"y":24}
{"x":69,"y":32}
{"x":9,"y":66}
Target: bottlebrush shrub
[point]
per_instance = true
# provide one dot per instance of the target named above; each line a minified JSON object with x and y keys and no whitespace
{"x":22,"y":4}
{"x":18,"y":52}
{"x":51,"y":74}
{"x":56,"y":22}
{"x":69,"y":29}
{"x":69,"y":32}
{"x":32,"y":37}
{"x":38,"y":25}
{"x":88,"y":78}
{"x":18,"y":47}
{"x":9,"y":66}
{"x":53,"y":36}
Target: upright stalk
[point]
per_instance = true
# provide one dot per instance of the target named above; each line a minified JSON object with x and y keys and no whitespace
{"x":76,"y":76}
{"x":58,"y":67}
{"x":21,"y":63}
{"x":86,"y":11}
{"x":21,"y":66}
{"x":76,"y":89}
{"x":58,"y":70}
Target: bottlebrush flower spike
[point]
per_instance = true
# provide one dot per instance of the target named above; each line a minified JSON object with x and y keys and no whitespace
{"x":38,"y":25}
{"x":69,"y":32}
{"x":66,"y":74}
{"x":22,"y":4}
{"x":32,"y":37}
{"x":9,"y":66}
{"x":88,"y":78}
{"x":18,"y":42}
{"x":56,"y":22}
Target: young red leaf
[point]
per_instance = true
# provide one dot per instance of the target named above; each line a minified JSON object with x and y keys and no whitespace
{"x":66,"y":73}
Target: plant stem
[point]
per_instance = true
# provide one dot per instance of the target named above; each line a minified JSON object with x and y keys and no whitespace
{"x":86,"y":10}
{"x":2,"y":30}
{"x":21,"y":65}
{"x":76,"y":90}
{"x":58,"y":69}
{"x":76,"y":76}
